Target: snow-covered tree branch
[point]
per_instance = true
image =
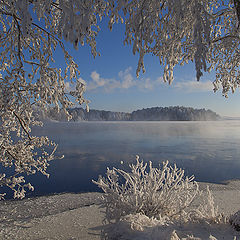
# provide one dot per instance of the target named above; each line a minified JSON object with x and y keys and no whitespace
{"x":205,"y":32}
{"x":29,"y":37}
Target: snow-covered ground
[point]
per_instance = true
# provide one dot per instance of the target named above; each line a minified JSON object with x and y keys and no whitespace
{"x":78,"y":216}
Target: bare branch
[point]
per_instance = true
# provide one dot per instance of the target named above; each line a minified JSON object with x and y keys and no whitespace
{"x":237,"y":7}
{"x":22,"y":123}
{"x":225,"y":37}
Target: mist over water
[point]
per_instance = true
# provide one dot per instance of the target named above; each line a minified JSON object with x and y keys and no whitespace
{"x":208,"y":150}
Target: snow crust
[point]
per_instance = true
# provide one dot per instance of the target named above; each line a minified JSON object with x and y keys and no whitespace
{"x":78,"y":216}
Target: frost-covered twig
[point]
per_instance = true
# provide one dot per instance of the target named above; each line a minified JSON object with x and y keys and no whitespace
{"x":154,"y":192}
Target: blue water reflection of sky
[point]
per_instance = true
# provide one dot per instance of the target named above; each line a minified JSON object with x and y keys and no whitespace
{"x":209,"y":150}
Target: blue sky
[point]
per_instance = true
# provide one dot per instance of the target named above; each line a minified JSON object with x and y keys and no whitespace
{"x":112,"y":83}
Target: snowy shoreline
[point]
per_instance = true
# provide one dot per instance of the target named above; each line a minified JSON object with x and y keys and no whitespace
{"x":78,"y":216}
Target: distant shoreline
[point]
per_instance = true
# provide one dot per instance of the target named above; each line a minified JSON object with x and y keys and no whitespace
{"x":225,"y":118}
{"x":172,"y":113}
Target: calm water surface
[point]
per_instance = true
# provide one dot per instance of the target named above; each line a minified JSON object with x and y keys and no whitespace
{"x":208,"y":150}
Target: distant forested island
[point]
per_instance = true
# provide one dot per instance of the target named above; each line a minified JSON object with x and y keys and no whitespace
{"x":175,"y":113}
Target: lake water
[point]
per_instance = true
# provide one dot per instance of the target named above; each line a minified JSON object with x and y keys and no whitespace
{"x":208,"y":150}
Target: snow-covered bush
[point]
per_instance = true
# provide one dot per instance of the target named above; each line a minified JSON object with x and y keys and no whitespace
{"x":141,"y":227}
{"x":159,"y":193}
{"x":235,"y":220}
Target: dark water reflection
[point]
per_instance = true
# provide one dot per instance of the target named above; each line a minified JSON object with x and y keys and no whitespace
{"x":209,"y":150}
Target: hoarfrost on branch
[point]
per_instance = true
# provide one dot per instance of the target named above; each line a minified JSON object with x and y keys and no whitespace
{"x":162,"y":193}
{"x":205,"y":32}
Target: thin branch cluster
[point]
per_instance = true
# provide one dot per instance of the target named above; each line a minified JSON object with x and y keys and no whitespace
{"x":30,"y":32}
{"x":205,"y":32}
{"x":162,"y":193}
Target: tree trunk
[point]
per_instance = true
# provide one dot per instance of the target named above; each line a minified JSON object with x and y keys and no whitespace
{"x":237,"y":7}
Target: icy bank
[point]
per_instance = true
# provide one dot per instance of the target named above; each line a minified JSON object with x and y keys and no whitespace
{"x":78,"y":216}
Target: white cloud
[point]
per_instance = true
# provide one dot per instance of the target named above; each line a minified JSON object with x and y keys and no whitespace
{"x":147,"y":84}
{"x":97,"y":82}
{"x":125,"y":80}
{"x":96,"y":78}
{"x":194,"y":86}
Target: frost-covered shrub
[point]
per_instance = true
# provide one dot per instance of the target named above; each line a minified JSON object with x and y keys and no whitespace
{"x":235,"y":220}
{"x":158,"y":193}
{"x":141,"y":227}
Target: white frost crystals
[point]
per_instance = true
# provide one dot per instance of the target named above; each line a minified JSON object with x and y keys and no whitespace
{"x":29,"y":81}
{"x":156,"y":203}
{"x":205,"y":32}
{"x":159,"y":193}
